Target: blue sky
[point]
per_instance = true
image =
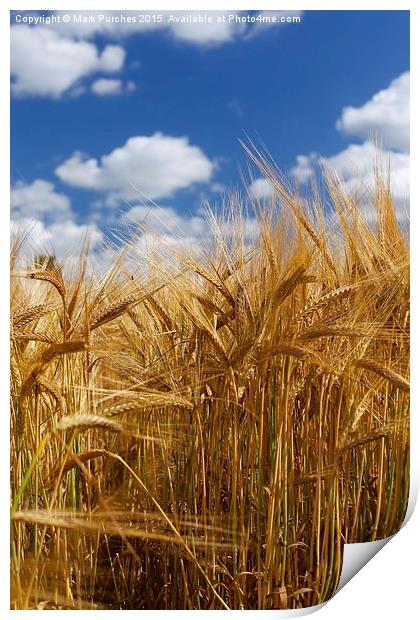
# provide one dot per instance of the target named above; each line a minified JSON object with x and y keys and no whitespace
{"x":177,"y":99}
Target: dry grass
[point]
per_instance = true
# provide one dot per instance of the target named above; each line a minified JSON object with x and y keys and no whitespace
{"x":208,"y":436}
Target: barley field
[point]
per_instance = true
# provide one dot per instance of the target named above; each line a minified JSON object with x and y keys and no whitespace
{"x":206,"y":430}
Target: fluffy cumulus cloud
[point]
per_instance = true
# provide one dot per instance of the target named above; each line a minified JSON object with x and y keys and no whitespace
{"x":61,"y":239}
{"x":165,"y":220}
{"x":151,"y":167}
{"x":214,"y":28}
{"x":356,"y":163}
{"x":44,"y":213}
{"x":38,"y":199}
{"x":303,"y":170}
{"x":261,"y":189}
{"x":233,"y":25}
{"x":163,"y":230}
{"x":207,"y":33}
{"x":50,"y":59}
{"x":386,"y":116}
{"x":45,"y":63}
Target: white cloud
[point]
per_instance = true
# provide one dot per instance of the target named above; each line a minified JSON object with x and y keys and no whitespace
{"x":80,"y":172}
{"x":304,"y":168}
{"x":46,"y":214}
{"x":387,"y":114}
{"x":183,"y":26}
{"x":165,"y":220}
{"x":38,"y":199}
{"x":246,"y":228}
{"x":214,"y":33}
{"x":50,"y":59}
{"x":151,"y":217}
{"x":261,"y":189}
{"x":145,"y":166}
{"x":68,"y":236}
{"x":105,"y":86}
{"x":61,"y":239}
{"x":106,"y":23}
{"x":43,"y":63}
{"x":356,"y":166}
{"x":163,"y":231}
{"x":218,"y":188}
{"x":112,"y":58}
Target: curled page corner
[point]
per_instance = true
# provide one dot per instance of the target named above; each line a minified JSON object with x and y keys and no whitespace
{"x":357,"y":555}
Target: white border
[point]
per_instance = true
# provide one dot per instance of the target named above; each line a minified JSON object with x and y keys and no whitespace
{"x":388,"y":584}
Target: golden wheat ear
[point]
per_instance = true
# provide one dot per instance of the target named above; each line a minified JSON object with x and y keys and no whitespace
{"x":387,"y":373}
{"x":85,"y":421}
{"x":32,"y":313}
